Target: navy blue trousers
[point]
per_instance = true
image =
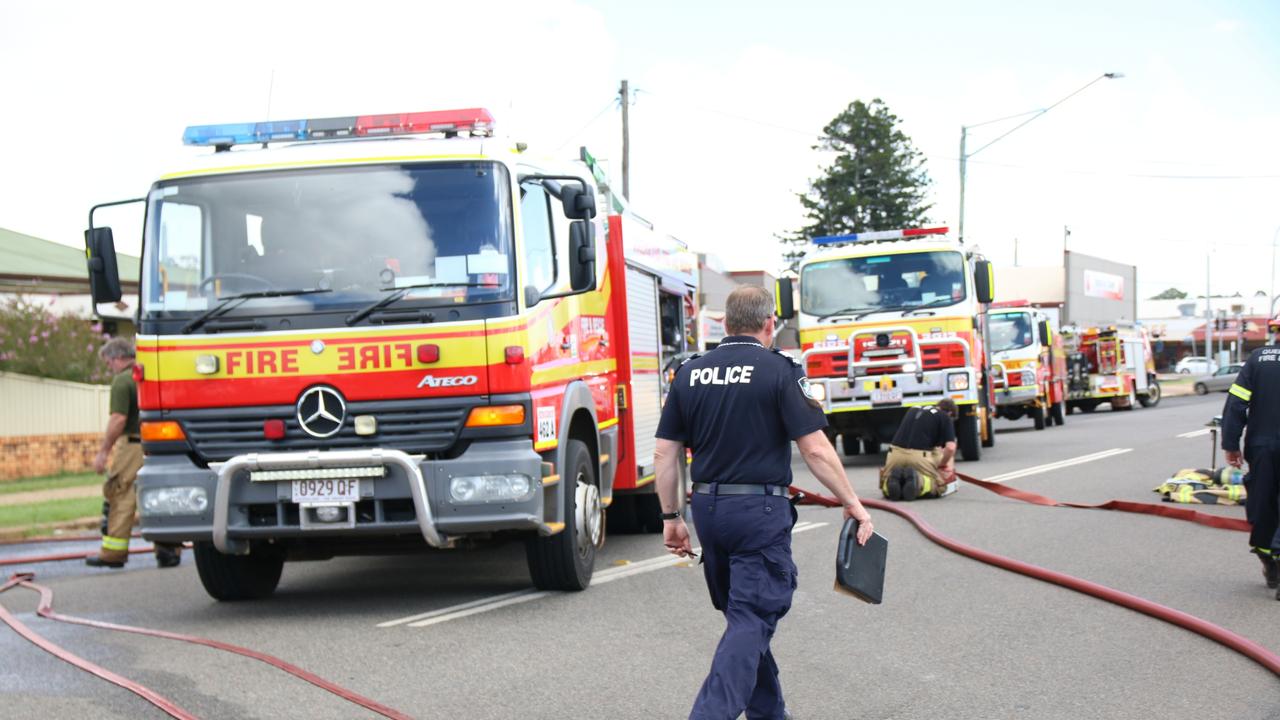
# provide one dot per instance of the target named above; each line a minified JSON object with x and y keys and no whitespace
{"x":746,"y":557}
{"x":1262,"y":506}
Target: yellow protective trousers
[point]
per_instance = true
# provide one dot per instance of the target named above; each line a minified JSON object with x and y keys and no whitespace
{"x":118,"y":490}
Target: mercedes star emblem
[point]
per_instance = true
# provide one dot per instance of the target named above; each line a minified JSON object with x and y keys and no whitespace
{"x":321,"y":411}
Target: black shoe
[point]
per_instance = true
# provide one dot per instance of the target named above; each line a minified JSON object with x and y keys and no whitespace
{"x":167,"y":558}
{"x":1270,"y":571}
{"x":910,"y":488}
{"x":97,"y":561}
{"x":893,"y":486}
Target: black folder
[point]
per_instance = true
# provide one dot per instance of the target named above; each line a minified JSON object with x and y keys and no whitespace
{"x":860,"y":568}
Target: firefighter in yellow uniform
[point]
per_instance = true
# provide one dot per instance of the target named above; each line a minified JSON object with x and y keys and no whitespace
{"x":126,"y":460}
{"x":921,"y":460}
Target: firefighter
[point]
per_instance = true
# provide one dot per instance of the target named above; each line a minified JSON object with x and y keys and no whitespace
{"x":738,"y":408}
{"x":122,"y":435}
{"x":1253,"y":402}
{"x":921,"y":460}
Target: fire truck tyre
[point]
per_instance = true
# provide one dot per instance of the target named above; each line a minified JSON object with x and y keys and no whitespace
{"x":967,"y":437}
{"x":852,"y":444}
{"x":1058,"y":413}
{"x":1154,"y":393}
{"x":565,"y":561}
{"x":870,"y":446}
{"x":239,"y":577}
{"x":1088,"y":406}
{"x":1037,"y":416}
{"x":1201,"y":389}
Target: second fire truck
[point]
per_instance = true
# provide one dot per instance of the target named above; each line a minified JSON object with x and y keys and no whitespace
{"x":893,"y":319}
{"x":1029,"y":369}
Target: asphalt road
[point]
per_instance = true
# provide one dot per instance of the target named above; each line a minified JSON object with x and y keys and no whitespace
{"x":954,"y":638}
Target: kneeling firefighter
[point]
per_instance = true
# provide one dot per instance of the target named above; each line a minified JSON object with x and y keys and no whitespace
{"x":921,"y":461}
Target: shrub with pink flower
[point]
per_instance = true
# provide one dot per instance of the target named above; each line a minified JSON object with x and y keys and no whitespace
{"x":34,"y":341}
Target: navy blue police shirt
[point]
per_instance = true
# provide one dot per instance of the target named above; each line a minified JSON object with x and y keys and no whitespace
{"x":738,"y":408}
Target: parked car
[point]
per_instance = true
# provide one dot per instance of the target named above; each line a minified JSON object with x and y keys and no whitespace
{"x":1219,"y":381}
{"x":1196,"y":365}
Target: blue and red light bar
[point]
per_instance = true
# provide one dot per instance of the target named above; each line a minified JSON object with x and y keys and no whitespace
{"x":877,"y":235}
{"x":477,"y":121}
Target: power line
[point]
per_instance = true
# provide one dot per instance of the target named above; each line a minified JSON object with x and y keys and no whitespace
{"x":590,"y":122}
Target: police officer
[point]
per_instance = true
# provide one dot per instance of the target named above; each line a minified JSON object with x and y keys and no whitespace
{"x":122,"y":445}
{"x":1254,"y":402}
{"x":926,"y":443}
{"x":738,"y":408}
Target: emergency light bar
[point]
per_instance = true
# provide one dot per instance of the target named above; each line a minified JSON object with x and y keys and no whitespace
{"x":878,"y":235}
{"x":477,"y":121}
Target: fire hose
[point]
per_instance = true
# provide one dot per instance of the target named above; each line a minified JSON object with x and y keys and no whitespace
{"x":45,"y":610}
{"x":1220,"y":635}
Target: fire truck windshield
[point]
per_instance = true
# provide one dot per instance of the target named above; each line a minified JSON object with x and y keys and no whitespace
{"x":1010,"y":331}
{"x":876,"y":283}
{"x":439,"y":232}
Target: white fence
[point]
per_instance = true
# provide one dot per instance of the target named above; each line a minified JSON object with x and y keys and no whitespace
{"x":40,"y":406}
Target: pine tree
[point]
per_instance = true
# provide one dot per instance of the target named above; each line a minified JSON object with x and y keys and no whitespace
{"x":876,"y":182}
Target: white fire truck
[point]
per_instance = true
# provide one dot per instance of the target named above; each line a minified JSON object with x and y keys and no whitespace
{"x":389,"y":333}
{"x":1028,"y":365}
{"x":893,"y":319}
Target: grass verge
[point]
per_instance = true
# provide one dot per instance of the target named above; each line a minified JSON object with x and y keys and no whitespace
{"x":52,"y":511}
{"x":50,"y":482}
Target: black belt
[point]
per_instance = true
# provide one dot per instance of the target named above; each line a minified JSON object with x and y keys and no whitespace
{"x":739,"y":489}
{"x":134,"y":438}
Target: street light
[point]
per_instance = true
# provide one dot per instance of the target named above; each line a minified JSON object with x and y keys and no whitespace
{"x":964,"y":134}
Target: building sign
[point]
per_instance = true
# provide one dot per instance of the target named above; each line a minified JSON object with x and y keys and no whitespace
{"x":1103,"y":285}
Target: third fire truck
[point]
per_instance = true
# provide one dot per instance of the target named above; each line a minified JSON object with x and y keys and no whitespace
{"x":893,"y":319}
{"x":1029,"y":369}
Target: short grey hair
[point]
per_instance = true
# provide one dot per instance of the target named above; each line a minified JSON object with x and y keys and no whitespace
{"x":747,"y":309}
{"x":116,"y":349}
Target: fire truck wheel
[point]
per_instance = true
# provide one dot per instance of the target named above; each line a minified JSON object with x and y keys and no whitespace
{"x":564,"y":561}
{"x":239,"y":577}
{"x":870,"y":447}
{"x":852,"y":444}
{"x":967,"y":437}
{"x":1088,"y":406}
{"x":1058,"y":413}
{"x":1037,"y":416}
{"x":1152,"y":398}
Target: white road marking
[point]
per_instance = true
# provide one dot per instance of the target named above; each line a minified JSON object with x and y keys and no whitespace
{"x":483,"y":605}
{"x":1050,"y":467}
{"x":1196,"y":433}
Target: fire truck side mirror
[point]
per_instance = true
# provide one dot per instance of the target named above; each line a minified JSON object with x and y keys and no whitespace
{"x":104,"y":275}
{"x":582,"y":256}
{"x":984,"y":281}
{"x":784,"y":298}
{"x":579,"y":202}
{"x":1046,"y":333}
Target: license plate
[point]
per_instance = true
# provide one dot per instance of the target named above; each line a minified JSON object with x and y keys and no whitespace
{"x":328,"y":490}
{"x":885,"y":397}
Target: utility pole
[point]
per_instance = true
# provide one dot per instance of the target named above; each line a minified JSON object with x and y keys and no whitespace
{"x":964,"y":161}
{"x":1015,"y":252}
{"x":625,"y":94}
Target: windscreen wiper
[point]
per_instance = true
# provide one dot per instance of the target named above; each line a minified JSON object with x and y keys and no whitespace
{"x":844,"y":311}
{"x":936,"y":303}
{"x":231,"y":302}
{"x":400,"y":292}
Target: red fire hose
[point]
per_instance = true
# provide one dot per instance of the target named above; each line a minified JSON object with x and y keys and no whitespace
{"x":36,"y":559}
{"x":1220,"y":635}
{"x":45,"y":610}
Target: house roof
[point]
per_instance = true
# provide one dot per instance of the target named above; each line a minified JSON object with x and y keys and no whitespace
{"x":32,"y":264}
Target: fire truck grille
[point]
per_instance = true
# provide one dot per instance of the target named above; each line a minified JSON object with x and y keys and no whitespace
{"x":414,"y":426}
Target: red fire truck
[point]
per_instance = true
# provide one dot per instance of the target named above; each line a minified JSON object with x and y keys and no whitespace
{"x":1111,"y":364}
{"x":388,"y":333}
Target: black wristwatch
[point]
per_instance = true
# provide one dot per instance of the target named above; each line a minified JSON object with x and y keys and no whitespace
{"x":670,"y":516}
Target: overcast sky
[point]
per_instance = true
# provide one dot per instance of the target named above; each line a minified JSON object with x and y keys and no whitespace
{"x":1178,"y":160}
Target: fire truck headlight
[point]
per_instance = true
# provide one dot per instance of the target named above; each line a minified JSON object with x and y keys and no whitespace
{"x":958,"y":381}
{"x":490,"y":488}
{"x":174,"y":501}
{"x":1028,"y":377}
